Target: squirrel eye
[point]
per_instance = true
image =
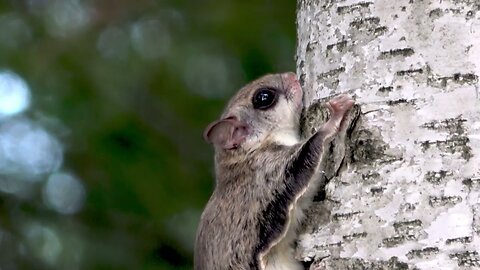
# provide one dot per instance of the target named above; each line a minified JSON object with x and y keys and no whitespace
{"x":264,"y":98}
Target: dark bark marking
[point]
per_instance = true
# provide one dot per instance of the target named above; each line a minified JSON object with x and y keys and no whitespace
{"x":377,"y":190}
{"x":466,"y":258}
{"x":340,"y":46}
{"x":437,"y":177}
{"x":350,"y":8}
{"x":405,"y":52}
{"x":435,"y":13}
{"x":365,"y":22}
{"x":452,"y":145}
{"x":456,"y":78}
{"x":331,"y":73}
{"x":452,"y":125}
{"x":345,"y":216}
{"x":385,"y":89}
{"x":408,"y":227}
{"x":463,"y":240}
{"x":409,"y":72}
{"x":354,"y":236}
{"x":380,"y":31}
{"x":393,"y":241}
{"x":472,"y":182}
{"x":401,"y":101}
{"x":422,"y":253}
{"x":436,"y":201}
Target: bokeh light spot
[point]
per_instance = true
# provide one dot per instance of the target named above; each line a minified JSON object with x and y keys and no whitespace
{"x":64,"y":193}
{"x":66,"y":17}
{"x":43,"y":242}
{"x":14,"y":94}
{"x":150,"y":38}
{"x":113,"y":43}
{"x":210,"y":75}
{"x":28,"y":150}
{"x":15,"y":31}
{"x":22,"y":189}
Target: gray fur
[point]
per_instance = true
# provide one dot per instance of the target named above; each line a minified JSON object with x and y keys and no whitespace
{"x":263,"y":184}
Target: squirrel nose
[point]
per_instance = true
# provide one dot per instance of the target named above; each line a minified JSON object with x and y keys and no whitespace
{"x":289,"y":76}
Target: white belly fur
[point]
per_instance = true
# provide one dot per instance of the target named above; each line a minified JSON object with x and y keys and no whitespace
{"x":282,"y":255}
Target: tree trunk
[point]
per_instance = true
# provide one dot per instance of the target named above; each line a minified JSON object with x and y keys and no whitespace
{"x":406,"y":193}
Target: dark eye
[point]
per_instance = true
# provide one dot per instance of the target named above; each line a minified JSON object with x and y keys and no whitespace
{"x":264,"y":98}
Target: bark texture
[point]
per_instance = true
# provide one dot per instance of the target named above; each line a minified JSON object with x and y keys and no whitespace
{"x":406,"y":193}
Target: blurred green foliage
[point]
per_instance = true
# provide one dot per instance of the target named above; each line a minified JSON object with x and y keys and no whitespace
{"x":127,"y":87}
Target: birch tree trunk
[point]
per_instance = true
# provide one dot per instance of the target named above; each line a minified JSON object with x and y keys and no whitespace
{"x":406,"y":192}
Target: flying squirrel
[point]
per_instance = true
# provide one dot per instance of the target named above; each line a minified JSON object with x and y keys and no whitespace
{"x":266,"y":176}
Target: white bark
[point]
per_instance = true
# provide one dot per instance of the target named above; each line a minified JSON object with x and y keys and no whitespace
{"x":409,"y":196}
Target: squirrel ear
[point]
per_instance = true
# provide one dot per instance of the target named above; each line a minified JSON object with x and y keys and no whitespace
{"x":228,"y":133}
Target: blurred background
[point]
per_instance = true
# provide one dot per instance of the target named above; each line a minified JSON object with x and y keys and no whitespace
{"x":102,"y":107}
